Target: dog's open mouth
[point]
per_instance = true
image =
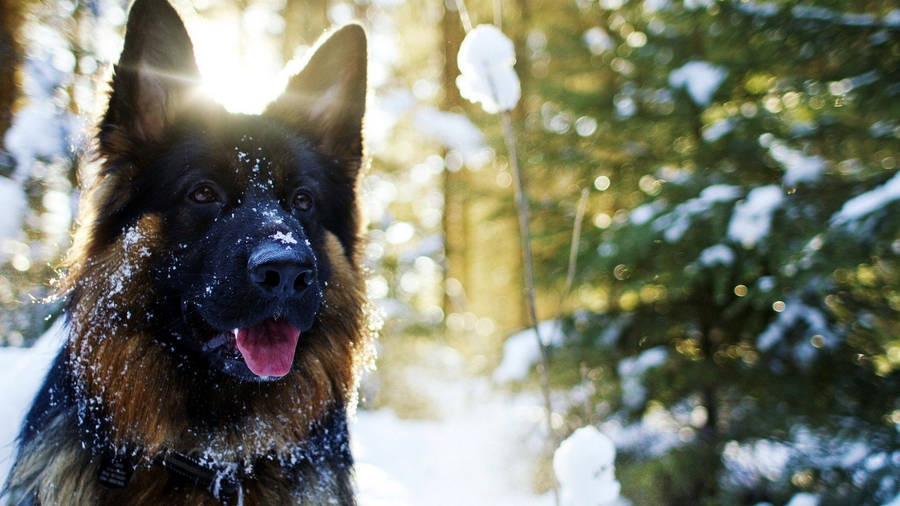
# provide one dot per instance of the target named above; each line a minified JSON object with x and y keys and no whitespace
{"x":267,"y":348}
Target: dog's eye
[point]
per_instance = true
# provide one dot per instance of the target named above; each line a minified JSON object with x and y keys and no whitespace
{"x":203,"y":194}
{"x":303,"y":201}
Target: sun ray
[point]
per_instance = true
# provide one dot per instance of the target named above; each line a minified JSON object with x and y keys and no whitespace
{"x":241,"y":68}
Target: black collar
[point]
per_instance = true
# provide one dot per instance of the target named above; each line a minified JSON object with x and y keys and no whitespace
{"x":222,"y":481}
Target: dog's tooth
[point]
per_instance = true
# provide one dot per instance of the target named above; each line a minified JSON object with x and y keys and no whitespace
{"x":215,"y":342}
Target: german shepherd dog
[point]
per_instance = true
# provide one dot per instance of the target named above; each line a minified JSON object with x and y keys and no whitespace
{"x":215,"y":302}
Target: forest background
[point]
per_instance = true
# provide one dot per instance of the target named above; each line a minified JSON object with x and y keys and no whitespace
{"x":731,"y":317}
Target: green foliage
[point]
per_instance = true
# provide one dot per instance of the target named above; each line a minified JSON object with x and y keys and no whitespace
{"x":774,"y":329}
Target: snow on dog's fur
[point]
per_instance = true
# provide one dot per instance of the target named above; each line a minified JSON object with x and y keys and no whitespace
{"x":215,"y":300}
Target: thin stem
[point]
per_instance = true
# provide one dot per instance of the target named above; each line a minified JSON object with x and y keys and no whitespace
{"x":573,"y":261}
{"x":576,"y":240}
{"x":528,"y":266}
{"x":509,"y":135}
{"x":573,"y":257}
{"x":464,"y":15}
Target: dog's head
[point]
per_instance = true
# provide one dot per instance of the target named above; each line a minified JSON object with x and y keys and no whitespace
{"x":255,"y":217}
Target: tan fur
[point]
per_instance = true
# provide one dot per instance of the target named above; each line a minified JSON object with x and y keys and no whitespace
{"x":58,"y":473}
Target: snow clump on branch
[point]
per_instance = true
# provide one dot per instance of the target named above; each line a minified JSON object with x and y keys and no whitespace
{"x":485,"y":60}
{"x":585,"y":466}
{"x":701,"y":80}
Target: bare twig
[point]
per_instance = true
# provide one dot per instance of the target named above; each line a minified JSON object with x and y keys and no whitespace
{"x":527,"y":259}
{"x":509,"y":135}
{"x":573,"y":258}
{"x":528,"y":267}
{"x":576,"y":240}
{"x":464,"y":15}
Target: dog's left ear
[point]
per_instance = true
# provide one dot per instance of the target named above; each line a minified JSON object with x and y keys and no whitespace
{"x":154,"y":76}
{"x":326,"y":101}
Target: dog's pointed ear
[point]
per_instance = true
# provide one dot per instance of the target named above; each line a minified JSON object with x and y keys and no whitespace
{"x":156,"y":73}
{"x":326,"y":101}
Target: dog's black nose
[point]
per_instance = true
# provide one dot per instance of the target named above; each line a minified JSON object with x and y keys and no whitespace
{"x":281,"y":272}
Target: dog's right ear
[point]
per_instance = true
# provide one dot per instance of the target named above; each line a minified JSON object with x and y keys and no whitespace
{"x":155,"y":75}
{"x":326,"y":101}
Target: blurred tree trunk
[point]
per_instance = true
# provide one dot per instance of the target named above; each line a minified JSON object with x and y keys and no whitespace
{"x":454,"y":217}
{"x":516,"y":24}
{"x":10,"y":60}
{"x":479,"y":224}
{"x":304,"y":23}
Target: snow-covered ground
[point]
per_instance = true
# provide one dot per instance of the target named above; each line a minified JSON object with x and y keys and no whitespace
{"x":480,"y":450}
{"x":21,"y":372}
{"x":477,"y":456}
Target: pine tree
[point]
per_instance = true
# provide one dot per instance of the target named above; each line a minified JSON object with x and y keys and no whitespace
{"x":742,"y":271}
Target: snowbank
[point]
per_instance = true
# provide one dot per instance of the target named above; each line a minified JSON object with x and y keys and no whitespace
{"x":454,"y":131}
{"x":521,"y":351}
{"x":37,"y":132}
{"x":472,"y":456}
{"x":585,"y":467}
{"x":24,"y":368}
{"x":14,"y":205}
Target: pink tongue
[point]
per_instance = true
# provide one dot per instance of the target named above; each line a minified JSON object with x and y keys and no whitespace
{"x":268,"y":348}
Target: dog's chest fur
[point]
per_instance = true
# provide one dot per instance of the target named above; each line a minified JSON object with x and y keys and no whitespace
{"x":57,"y":471}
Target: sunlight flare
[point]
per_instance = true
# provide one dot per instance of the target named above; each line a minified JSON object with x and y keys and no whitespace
{"x":241,"y":69}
